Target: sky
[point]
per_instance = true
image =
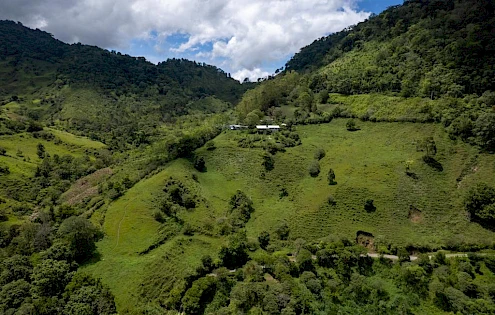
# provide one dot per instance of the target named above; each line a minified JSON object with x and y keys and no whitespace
{"x":246,"y":38}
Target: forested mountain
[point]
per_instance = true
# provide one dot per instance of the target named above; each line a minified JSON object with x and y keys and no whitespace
{"x":38,"y":54}
{"x":430,"y":48}
{"x":111,"y":97}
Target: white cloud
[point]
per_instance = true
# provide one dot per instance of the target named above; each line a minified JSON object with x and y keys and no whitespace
{"x":244,"y":34}
{"x":252,"y":75}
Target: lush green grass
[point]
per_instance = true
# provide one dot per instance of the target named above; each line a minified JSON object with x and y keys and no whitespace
{"x":27,"y":144}
{"x":78,"y":141}
{"x":129,"y":229}
{"x":369,"y":164}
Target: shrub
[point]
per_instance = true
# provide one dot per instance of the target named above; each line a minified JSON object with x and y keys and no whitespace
{"x":331,"y":200}
{"x":314,"y":169}
{"x":331,"y":177}
{"x":369,"y":206}
{"x":268,"y":161}
{"x":40,"y":150}
{"x":158,"y":215}
{"x":431,"y":162}
{"x":199,"y":164}
{"x":283,"y":193}
{"x":4,"y":170}
{"x":351,"y":125}
{"x":210,"y":146}
{"x":319,"y":154}
{"x":3,"y":151}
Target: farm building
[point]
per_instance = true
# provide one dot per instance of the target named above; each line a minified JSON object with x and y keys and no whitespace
{"x":268,"y":127}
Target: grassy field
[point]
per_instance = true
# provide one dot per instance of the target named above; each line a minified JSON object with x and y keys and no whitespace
{"x":368,"y":163}
{"x":21,"y":156}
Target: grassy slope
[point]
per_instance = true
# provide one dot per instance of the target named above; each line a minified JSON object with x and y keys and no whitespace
{"x":23,"y":167}
{"x":130,"y":228}
{"x":369,"y":163}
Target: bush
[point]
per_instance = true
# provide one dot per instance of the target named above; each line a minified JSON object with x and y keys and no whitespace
{"x":199,"y":164}
{"x":268,"y":161}
{"x":210,"y":146}
{"x":319,"y":154}
{"x":431,"y":162}
{"x":351,"y":125}
{"x":4,"y":170}
{"x":158,"y":215}
{"x":369,"y":206}
{"x":331,"y":200}
{"x":314,"y":169}
{"x":331,"y":177}
{"x":3,"y":151}
{"x":283,"y":193}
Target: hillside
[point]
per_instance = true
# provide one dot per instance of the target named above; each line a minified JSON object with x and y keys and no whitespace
{"x":114,"y":98}
{"x":124,"y":191}
{"x":421,"y":48}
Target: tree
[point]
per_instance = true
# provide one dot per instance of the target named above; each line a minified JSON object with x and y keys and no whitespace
{"x":264,"y":239}
{"x":331,"y":177}
{"x":403,"y":254}
{"x":304,"y":260}
{"x":319,"y":154}
{"x":282,"y":231}
{"x":80,"y":235}
{"x":480,"y":203}
{"x":324,"y":96}
{"x":199,"y":295}
{"x":50,"y":278}
{"x":240,"y":209}
{"x":13,"y":294}
{"x":252,"y":120}
{"x":234,"y":254}
{"x":314,"y":169}
{"x":484,"y":130}
{"x":87,"y":295}
{"x":14,"y":268}
{"x":40,"y":150}
{"x":429,"y":145}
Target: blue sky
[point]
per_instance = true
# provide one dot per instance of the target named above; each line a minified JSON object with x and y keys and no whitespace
{"x":156,"y":50}
{"x":247,"y":38}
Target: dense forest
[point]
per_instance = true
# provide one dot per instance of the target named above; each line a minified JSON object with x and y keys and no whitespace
{"x":427,"y":48}
{"x":114,"y":98}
